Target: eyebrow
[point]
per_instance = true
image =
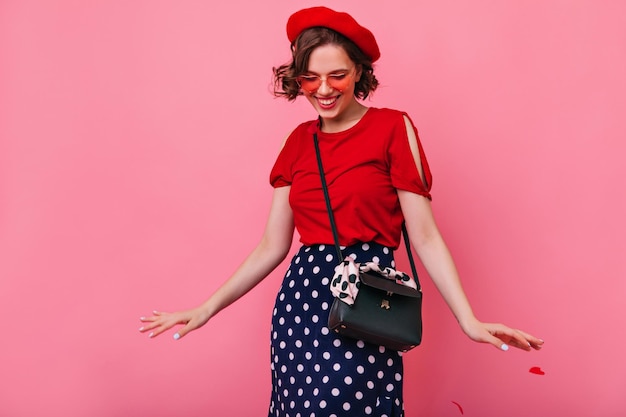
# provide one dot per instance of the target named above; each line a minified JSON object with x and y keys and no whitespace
{"x":331,"y":72}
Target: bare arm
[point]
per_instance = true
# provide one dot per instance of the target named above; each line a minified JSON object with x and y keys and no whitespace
{"x":267,"y":255}
{"x":434,"y":254}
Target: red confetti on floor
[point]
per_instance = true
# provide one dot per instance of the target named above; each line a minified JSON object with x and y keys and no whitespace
{"x":536,"y":370}
{"x":458,"y":405}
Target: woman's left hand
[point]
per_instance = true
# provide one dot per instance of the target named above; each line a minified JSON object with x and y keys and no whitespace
{"x":501,"y":336}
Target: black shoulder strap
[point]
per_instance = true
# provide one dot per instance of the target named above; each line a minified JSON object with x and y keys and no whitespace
{"x":333,"y":225}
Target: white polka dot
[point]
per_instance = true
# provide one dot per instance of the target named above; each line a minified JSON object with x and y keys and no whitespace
{"x":297,"y":260}
{"x":292,"y":405}
{"x":347,"y":380}
{"x":365,"y":246}
{"x":324,"y":306}
{"x":286,"y":393}
{"x":308,"y":380}
{"x":371,"y":359}
{"x":288,"y":308}
{"x":281,"y":321}
{"x":307,"y":404}
{"x":290,"y":332}
{"x":381,"y":349}
{"x":308,"y":356}
{"x":283,"y":369}
{"x":297,"y":319}
{"x":386,"y":250}
{"x":307,"y":331}
{"x":325,"y":331}
{"x":298,"y":343}
{"x":292,"y":283}
{"x":300,"y":367}
{"x":398,"y":377}
{"x":316,"y":270}
{"x":317,"y":367}
{"x":336,"y":367}
{"x":300,"y":271}
{"x":389,"y":362}
{"x":315,"y":318}
{"x":358,"y":395}
{"x":326,"y":355}
{"x":389,"y":387}
{"x":346,"y":406}
{"x":306,"y":282}
{"x":297,"y":295}
{"x":329,"y":258}
{"x":376,"y":259}
{"x":360,"y":369}
{"x":316,"y":343}
{"x":314,"y":294}
{"x":282,"y":344}
{"x":348,"y":355}
{"x":291,"y":356}
{"x":322,"y":247}
{"x":325,"y":281}
{"x":300,"y":392}
{"x":305,"y":307}
{"x":380,"y":374}
{"x":336,"y":342}
{"x":311,"y":258}
{"x":322,"y":404}
{"x":335,"y":392}
{"x":353,"y":256}
{"x":292,"y":380}
{"x":325,"y":379}
{"x":360,"y":344}
{"x":274,"y":335}
{"x":316,"y":392}
{"x":282,"y":297}
{"x":370,"y":385}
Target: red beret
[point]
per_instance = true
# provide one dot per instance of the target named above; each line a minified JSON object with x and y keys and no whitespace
{"x":338,"y":21}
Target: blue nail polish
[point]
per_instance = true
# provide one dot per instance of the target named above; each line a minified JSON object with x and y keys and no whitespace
{"x":176,"y":336}
{"x":504,"y":347}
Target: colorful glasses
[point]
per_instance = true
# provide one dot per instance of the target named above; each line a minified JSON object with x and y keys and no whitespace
{"x":337,"y":80}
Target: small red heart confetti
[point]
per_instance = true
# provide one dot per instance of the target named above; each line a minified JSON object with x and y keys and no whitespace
{"x":458,"y":405}
{"x":536,"y":370}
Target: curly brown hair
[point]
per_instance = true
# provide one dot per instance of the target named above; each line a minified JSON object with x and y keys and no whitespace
{"x":285,"y":76}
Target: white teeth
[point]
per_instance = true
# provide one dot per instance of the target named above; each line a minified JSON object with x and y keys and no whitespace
{"x":327,"y":102}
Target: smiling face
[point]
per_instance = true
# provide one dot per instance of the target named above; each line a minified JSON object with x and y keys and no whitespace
{"x":334,"y":100}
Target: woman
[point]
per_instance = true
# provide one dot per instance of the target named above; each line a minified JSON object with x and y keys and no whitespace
{"x":378,"y":176}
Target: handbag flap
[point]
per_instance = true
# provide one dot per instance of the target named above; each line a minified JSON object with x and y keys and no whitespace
{"x":372,"y":279}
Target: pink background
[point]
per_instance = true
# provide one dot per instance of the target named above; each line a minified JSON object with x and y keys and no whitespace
{"x":136,"y":139}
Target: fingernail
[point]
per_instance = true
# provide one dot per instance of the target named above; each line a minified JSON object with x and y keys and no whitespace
{"x":141,"y":329}
{"x":176,"y":336}
{"x":142,"y":318}
{"x":155,"y":312}
{"x":151,"y":334}
{"x":504,"y":347}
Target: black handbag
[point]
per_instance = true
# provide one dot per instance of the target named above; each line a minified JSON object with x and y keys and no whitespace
{"x":384,"y":312}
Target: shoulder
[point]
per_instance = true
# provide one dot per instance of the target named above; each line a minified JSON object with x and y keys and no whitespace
{"x":391,"y":116}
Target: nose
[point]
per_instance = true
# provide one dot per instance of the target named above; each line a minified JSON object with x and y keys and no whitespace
{"x":325,"y":88}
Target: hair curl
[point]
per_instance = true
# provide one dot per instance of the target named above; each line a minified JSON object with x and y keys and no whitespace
{"x":285,"y":76}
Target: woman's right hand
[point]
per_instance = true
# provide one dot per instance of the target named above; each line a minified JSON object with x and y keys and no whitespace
{"x":161,"y":321}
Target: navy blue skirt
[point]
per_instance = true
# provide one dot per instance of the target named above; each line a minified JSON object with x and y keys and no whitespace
{"x":315,"y":372}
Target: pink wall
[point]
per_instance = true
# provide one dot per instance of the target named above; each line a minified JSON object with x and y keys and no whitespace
{"x":136,"y":139}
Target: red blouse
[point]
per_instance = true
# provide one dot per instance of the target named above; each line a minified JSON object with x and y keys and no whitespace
{"x":364,"y":166}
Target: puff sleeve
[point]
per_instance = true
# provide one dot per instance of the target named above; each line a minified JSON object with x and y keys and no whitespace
{"x":404,"y":150}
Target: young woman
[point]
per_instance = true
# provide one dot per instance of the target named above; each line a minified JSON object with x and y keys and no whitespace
{"x":378,"y":177}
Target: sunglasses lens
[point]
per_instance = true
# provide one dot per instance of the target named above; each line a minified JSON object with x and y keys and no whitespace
{"x":310,"y":83}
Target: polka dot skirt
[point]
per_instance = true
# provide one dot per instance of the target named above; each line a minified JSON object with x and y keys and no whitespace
{"x":315,"y":372}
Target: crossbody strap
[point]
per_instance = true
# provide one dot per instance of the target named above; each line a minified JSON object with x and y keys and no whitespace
{"x":333,"y":225}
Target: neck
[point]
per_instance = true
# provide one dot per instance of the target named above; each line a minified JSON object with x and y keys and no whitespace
{"x":348,"y":118}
